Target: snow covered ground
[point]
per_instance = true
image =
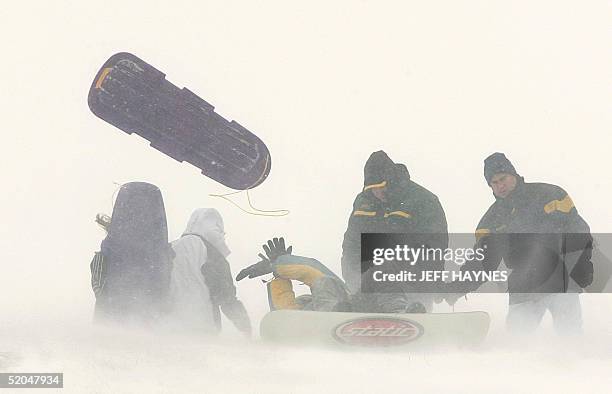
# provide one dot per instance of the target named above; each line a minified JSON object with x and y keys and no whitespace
{"x":113,"y":361}
{"x":438,"y":85}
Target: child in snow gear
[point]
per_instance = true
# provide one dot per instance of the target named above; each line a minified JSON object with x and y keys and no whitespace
{"x":328,"y":293}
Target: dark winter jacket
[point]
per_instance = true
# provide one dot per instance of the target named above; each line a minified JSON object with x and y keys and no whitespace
{"x":410,"y":208}
{"x":539,"y":234}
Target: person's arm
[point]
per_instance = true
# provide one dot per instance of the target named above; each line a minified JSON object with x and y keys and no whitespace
{"x":437,"y":228}
{"x":351,"y":244}
{"x":493,"y":247}
{"x":218,"y":278}
{"x":351,"y":256}
{"x":281,"y":295}
{"x":328,"y":291}
{"x":578,"y":242}
{"x":98,"y":273}
{"x":237,"y":314}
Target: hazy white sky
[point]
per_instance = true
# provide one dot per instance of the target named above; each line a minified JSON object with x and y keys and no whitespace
{"x":438,"y":85}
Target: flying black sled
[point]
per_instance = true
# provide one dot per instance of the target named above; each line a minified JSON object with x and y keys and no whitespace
{"x":135,"y":97}
{"x":377,"y":330}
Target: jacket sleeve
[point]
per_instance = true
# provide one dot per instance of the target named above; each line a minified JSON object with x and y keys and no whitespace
{"x":578,"y":242}
{"x":351,"y":245}
{"x":98,"y":273}
{"x":493,"y":247}
{"x":437,"y":228}
{"x":281,"y":295}
{"x":326,"y":289}
{"x":218,"y":279}
{"x":220,"y":283}
{"x":236,"y":312}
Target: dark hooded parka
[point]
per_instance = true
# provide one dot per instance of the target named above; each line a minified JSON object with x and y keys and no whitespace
{"x":405,"y":207}
{"x":539,"y":234}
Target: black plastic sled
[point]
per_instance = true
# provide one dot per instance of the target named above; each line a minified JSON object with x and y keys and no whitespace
{"x":135,"y":97}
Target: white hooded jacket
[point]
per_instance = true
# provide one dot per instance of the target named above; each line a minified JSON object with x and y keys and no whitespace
{"x":192,"y":307}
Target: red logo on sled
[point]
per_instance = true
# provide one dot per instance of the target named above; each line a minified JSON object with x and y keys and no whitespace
{"x":377,"y":331}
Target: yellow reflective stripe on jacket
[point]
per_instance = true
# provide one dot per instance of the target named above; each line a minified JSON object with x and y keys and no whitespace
{"x":398,"y":213}
{"x":303,"y":273}
{"x":375,"y":186}
{"x":364,"y":213}
{"x":564,"y":205}
{"x":482,"y":232}
{"x":281,"y":294}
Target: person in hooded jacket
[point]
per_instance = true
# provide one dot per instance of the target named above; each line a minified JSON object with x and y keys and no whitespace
{"x":537,"y":231}
{"x":130,"y":274}
{"x":201,"y":282}
{"x":391,"y":202}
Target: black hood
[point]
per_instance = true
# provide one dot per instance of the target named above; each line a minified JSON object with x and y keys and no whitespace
{"x":380,"y":171}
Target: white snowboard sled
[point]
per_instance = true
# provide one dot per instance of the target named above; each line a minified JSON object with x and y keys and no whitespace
{"x":347,"y":329}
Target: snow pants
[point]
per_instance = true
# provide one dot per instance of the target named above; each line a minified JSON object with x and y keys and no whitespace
{"x":565,"y":309}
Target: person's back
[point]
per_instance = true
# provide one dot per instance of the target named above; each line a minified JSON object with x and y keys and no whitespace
{"x":201,"y":281}
{"x":191,"y":307}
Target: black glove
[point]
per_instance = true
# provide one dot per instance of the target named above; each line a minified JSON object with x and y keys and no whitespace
{"x":583,"y":273}
{"x":253,"y":271}
{"x":274,"y":249}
